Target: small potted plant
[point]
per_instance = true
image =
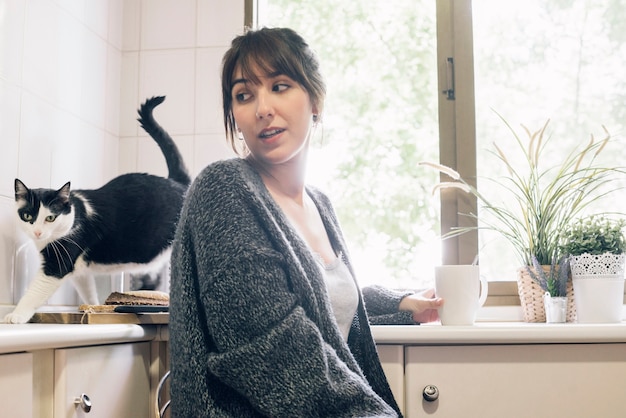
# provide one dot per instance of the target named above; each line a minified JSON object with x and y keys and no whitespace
{"x":595,"y":246}
{"x":553,"y":281}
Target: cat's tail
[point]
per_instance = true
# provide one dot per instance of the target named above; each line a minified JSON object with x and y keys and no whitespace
{"x":175,"y":164}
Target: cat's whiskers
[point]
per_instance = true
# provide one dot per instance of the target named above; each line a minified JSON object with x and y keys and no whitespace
{"x":70,"y":240}
{"x":57,"y":253}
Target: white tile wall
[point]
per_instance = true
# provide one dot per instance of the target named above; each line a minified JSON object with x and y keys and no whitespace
{"x":174,"y":48}
{"x":12,"y":39}
{"x":72,"y":74}
{"x":170,"y":73}
{"x":7,"y":250}
{"x":168,"y":24}
{"x":209,"y":94}
{"x":218,"y":22}
{"x":129,"y":94}
{"x":10,"y":133}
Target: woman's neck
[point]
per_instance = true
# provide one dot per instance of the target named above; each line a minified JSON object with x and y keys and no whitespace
{"x":284,"y":181}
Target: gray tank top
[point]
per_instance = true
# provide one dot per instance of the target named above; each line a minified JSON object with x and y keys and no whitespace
{"x":342,"y":290}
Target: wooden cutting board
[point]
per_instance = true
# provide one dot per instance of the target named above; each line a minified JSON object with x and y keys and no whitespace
{"x":100,"y":314}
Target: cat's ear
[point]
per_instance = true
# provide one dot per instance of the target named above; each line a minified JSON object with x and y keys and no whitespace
{"x":64,"y":192}
{"x":20,"y":190}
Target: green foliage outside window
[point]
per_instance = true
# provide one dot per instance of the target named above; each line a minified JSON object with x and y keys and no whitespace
{"x":534,"y":60}
{"x":379,"y":60}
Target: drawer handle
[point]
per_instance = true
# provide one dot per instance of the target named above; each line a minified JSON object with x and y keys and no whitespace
{"x":430,"y":393}
{"x":84,"y":402}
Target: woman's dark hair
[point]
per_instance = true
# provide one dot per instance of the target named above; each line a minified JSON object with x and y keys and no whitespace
{"x":271,"y":51}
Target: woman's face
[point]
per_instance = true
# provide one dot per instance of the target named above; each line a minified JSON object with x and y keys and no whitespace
{"x":275,"y":117}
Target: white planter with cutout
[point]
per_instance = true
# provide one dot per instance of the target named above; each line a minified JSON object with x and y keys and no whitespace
{"x":598,"y":287}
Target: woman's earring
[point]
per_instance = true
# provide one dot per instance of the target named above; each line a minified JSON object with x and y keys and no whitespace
{"x":315,"y":117}
{"x":239,"y":135}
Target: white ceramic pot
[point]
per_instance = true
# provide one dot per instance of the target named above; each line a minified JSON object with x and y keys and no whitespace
{"x":598,"y":287}
{"x":556,"y":308}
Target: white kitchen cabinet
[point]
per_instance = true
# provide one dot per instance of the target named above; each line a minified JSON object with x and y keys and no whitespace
{"x":535,"y":380}
{"x":115,"y":378}
{"x":16,"y":385}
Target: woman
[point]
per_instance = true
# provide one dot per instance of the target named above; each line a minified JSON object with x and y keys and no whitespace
{"x":266,"y":317}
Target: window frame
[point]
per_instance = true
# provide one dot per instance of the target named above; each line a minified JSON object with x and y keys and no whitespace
{"x":457,"y":126}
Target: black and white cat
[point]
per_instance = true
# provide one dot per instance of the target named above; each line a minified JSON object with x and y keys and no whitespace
{"x":126,"y":225}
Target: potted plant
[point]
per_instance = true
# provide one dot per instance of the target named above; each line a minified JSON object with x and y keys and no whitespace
{"x":537,"y":202}
{"x":553,"y":280}
{"x":595,"y":246}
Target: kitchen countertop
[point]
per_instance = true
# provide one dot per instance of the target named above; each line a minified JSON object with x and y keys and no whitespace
{"x":31,"y":337}
{"x":500,"y":333}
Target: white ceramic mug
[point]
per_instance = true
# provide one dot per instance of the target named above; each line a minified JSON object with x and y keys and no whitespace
{"x":463,"y":291}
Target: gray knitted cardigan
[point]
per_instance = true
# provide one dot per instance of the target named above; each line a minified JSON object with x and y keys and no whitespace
{"x":251,"y":328}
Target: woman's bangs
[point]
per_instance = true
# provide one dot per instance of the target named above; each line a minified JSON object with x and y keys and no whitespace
{"x":264,"y":60}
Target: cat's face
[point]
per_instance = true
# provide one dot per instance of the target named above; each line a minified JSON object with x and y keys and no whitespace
{"x":44,"y":214}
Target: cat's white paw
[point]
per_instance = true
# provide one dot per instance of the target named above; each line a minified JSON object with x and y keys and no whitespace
{"x":14,"y":318}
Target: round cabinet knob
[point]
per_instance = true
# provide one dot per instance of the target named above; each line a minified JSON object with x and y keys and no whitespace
{"x":430,"y":393}
{"x":84,"y":402}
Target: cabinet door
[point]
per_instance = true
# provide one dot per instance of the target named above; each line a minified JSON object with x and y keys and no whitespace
{"x":559,"y":380}
{"x":114,"y":377}
{"x":16,"y":385}
{"x":392,"y":360}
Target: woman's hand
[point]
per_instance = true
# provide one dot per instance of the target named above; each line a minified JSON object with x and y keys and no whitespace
{"x":423,"y":304}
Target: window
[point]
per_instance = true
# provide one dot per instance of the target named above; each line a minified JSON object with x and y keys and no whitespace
{"x":380,"y":119}
{"x":386,"y":65}
{"x":544,"y":59}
